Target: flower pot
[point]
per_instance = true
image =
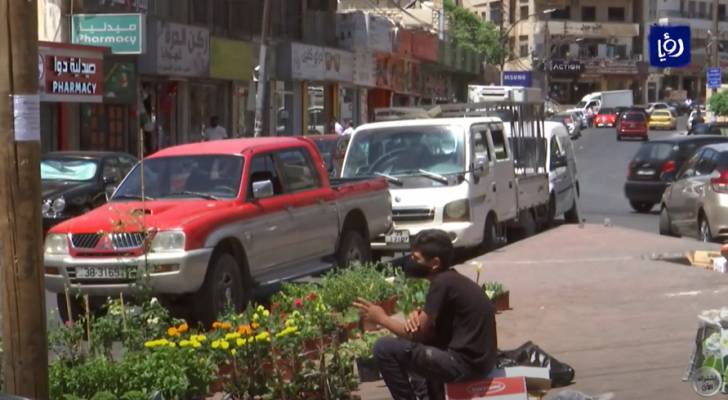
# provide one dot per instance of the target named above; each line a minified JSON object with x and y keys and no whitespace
{"x":218,"y":385}
{"x":346,"y":331}
{"x":502,"y":301}
{"x":368,"y":370}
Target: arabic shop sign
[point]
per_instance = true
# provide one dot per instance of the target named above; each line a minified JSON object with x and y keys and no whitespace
{"x":314,"y":63}
{"x":123,"y":33}
{"x":182,"y":50}
{"x":68,"y":76}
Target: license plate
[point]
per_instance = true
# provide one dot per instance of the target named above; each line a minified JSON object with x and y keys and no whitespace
{"x":398,"y":237}
{"x":646,"y":172}
{"x":124,"y":272}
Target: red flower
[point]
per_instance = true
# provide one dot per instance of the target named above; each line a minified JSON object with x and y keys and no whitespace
{"x":298,"y":303}
{"x":311,"y":296}
{"x":275,"y":306}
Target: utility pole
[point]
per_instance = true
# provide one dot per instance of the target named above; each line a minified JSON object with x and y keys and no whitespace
{"x":716,"y":40}
{"x":260,"y":96}
{"x":546,"y":55}
{"x":25,"y":348}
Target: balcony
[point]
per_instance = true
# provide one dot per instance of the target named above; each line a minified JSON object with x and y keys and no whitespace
{"x":589,"y":29}
{"x":699,"y":27}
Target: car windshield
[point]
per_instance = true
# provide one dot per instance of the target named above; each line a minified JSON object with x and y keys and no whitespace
{"x":634,"y":117}
{"x":581,"y":104}
{"x":654,"y":152}
{"x":406,"y":151}
{"x":607,"y":111}
{"x":210,"y":177}
{"x":68,"y":169}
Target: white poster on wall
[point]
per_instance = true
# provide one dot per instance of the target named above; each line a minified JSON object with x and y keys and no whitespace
{"x":314,"y":63}
{"x":183,"y":50}
{"x":365,"y":68}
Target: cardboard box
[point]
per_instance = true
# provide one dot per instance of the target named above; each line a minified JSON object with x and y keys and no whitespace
{"x":489,"y":389}
{"x":537,"y":378}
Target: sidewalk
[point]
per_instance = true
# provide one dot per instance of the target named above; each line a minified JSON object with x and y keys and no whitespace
{"x":594,"y":299}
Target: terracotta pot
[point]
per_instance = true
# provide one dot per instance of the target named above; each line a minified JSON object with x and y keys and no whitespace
{"x":218,"y":385}
{"x":502,"y":301}
{"x":346,"y":332}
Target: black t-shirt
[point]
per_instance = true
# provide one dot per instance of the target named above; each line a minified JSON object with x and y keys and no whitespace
{"x":464,"y":319}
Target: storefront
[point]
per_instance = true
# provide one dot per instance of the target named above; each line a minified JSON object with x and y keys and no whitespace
{"x":310,"y":79}
{"x":234,"y":61}
{"x":70,"y":82}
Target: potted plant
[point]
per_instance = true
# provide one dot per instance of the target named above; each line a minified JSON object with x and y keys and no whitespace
{"x":361,"y":350}
{"x":498,"y":295}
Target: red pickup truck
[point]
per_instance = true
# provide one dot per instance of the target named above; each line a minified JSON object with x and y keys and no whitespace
{"x":214,"y":220}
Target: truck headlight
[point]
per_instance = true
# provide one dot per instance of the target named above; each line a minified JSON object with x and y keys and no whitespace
{"x":58,"y":205}
{"x":56,"y":244}
{"x":167,"y":241}
{"x":458,"y":210}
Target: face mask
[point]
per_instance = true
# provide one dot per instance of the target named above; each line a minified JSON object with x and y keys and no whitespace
{"x":413,"y":269}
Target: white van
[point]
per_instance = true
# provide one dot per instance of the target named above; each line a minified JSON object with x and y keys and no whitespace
{"x":563,"y":178}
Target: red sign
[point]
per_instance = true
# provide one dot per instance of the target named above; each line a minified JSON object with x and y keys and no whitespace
{"x":489,"y":389}
{"x":70,"y":73}
{"x":425,"y":46}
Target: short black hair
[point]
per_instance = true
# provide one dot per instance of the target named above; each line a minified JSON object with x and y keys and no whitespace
{"x":433,"y":243}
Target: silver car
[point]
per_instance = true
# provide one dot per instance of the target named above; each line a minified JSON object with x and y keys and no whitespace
{"x":696,"y":204}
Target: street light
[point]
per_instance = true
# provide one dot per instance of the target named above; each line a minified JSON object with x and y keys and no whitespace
{"x":504,"y":35}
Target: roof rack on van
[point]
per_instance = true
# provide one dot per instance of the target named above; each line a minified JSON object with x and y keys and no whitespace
{"x":440,"y":111}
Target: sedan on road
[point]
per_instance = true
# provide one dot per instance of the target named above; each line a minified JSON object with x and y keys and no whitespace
{"x":75,"y":182}
{"x":652,"y":107}
{"x":654,"y":167}
{"x":606,"y":117}
{"x":662,"y":119}
{"x":569,"y":120}
{"x":694,"y":205}
{"x":632,"y":124}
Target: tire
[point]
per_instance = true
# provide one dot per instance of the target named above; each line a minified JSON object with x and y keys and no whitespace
{"x":490,"y":235}
{"x":704,"y":232}
{"x":225,"y":286}
{"x":641,"y":207}
{"x":353,"y":248}
{"x":665,"y":224}
{"x":572,"y":216}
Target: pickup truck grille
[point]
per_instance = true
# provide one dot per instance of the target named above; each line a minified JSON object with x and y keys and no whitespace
{"x":117,"y":241}
{"x":413,"y":215}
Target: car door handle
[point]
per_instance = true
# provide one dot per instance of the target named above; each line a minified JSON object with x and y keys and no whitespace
{"x":494,"y":187}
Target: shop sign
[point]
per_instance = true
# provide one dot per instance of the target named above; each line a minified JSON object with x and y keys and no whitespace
{"x":182,"y":50}
{"x":425,"y":46}
{"x":231,"y":59}
{"x":567,"y":67}
{"x":123,"y":33}
{"x":612,"y":67}
{"x":517,"y":78}
{"x":364,"y":68}
{"x":68,"y":77}
{"x":119,"y":82}
{"x":314,"y":63}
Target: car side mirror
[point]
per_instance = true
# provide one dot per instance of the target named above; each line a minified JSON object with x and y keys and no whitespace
{"x":481,"y":165}
{"x":109,"y":179}
{"x":262,"y":189}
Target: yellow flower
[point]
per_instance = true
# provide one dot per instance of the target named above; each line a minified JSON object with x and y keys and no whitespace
{"x":233,"y":351}
{"x":172,"y":344}
{"x":262,"y":336}
{"x":266,"y":313}
{"x":260,"y":308}
{"x":196,"y":345}
{"x":215,"y":344}
{"x":199,"y":338}
{"x":224,"y":344}
{"x":150,"y":344}
{"x":255,"y":317}
{"x":240,"y":342}
{"x":231,"y":336}
{"x":290,"y":322}
{"x":255,"y":325}
{"x":185,"y":343}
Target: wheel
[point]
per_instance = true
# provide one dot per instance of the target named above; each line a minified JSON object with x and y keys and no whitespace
{"x":665,"y":224}
{"x":490,"y":235}
{"x":353,"y":249}
{"x":641,"y":206}
{"x":572,"y":216}
{"x":225,"y":287}
{"x":704,"y":233}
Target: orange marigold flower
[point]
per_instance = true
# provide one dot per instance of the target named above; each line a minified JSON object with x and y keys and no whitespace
{"x":173,"y":331}
{"x":245,"y":330}
{"x":183,"y":328}
{"x":216,"y":325}
{"x":226,"y":325}
{"x":255,"y":325}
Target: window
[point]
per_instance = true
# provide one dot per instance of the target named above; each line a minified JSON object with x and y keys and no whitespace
{"x":126,"y":164}
{"x":111,"y":170}
{"x":710,"y":11}
{"x":617,"y":51}
{"x":524,"y":11}
{"x":221,"y":15}
{"x":702,"y":13}
{"x":588,"y":13}
{"x":198,"y":12}
{"x":483,"y":16}
{"x":616,"y":14}
{"x":721,"y":12}
{"x":480,"y":141}
{"x":499,"y":145}
{"x":555,"y":153}
{"x":523,"y":46}
{"x":707,"y":162}
{"x":263,"y":168}
{"x":691,"y":9}
{"x":298,"y":171}
{"x":496,"y":16}
{"x":564,"y":13}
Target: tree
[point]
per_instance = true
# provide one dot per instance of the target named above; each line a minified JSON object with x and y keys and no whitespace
{"x":468,"y":31}
{"x":719,"y":103}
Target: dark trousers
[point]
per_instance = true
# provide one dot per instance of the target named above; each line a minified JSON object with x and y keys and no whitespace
{"x":414,"y":371}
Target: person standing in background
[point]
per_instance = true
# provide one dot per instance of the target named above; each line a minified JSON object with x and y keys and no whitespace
{"x":214,"y":131}
{"x":349,"y":128}
{"x":338,"y":128}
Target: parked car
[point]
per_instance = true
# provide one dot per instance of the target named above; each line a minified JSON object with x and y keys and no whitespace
{"x":73,"y":183}
{"x":215,"y":219}
{"x":570,"y":121}
{"x":563,"y":179}
{"x":580,"y":117}
{"x":632,"y":124}
{"x":662,"y":119}
{"x":606,"y":117}
{"x":679,"y":107}
{"x":332,"y":149}
{"x":655,"y":164}
{"x":711,"y":128}
{"x":694,"y":205}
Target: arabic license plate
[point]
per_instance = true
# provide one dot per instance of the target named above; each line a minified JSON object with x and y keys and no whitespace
{"x":123,"y":272}
{"x":646,"y":172}
{"x":398,"y":237}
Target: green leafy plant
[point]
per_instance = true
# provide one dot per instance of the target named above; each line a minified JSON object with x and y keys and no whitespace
{"x":412,"y":294}
{"x":361,"y":347}
{"x":373,"y":282}
{"x":493,"y":289}
{"x":719,"y":103}
{"x":468,"y":31}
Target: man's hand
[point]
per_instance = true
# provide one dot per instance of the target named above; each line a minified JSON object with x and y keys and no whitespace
{"x":413,"y":322}
{"x":370,"y":311}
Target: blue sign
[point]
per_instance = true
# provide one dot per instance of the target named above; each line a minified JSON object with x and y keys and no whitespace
{"x":714,"y":78}
{"x":669,"y":46}
{"x":516,"y":78}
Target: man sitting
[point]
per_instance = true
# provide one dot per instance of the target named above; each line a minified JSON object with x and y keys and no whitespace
{"x":452,"y":340}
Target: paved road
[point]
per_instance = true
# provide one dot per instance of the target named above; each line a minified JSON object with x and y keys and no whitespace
{"x":602,"y":163}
